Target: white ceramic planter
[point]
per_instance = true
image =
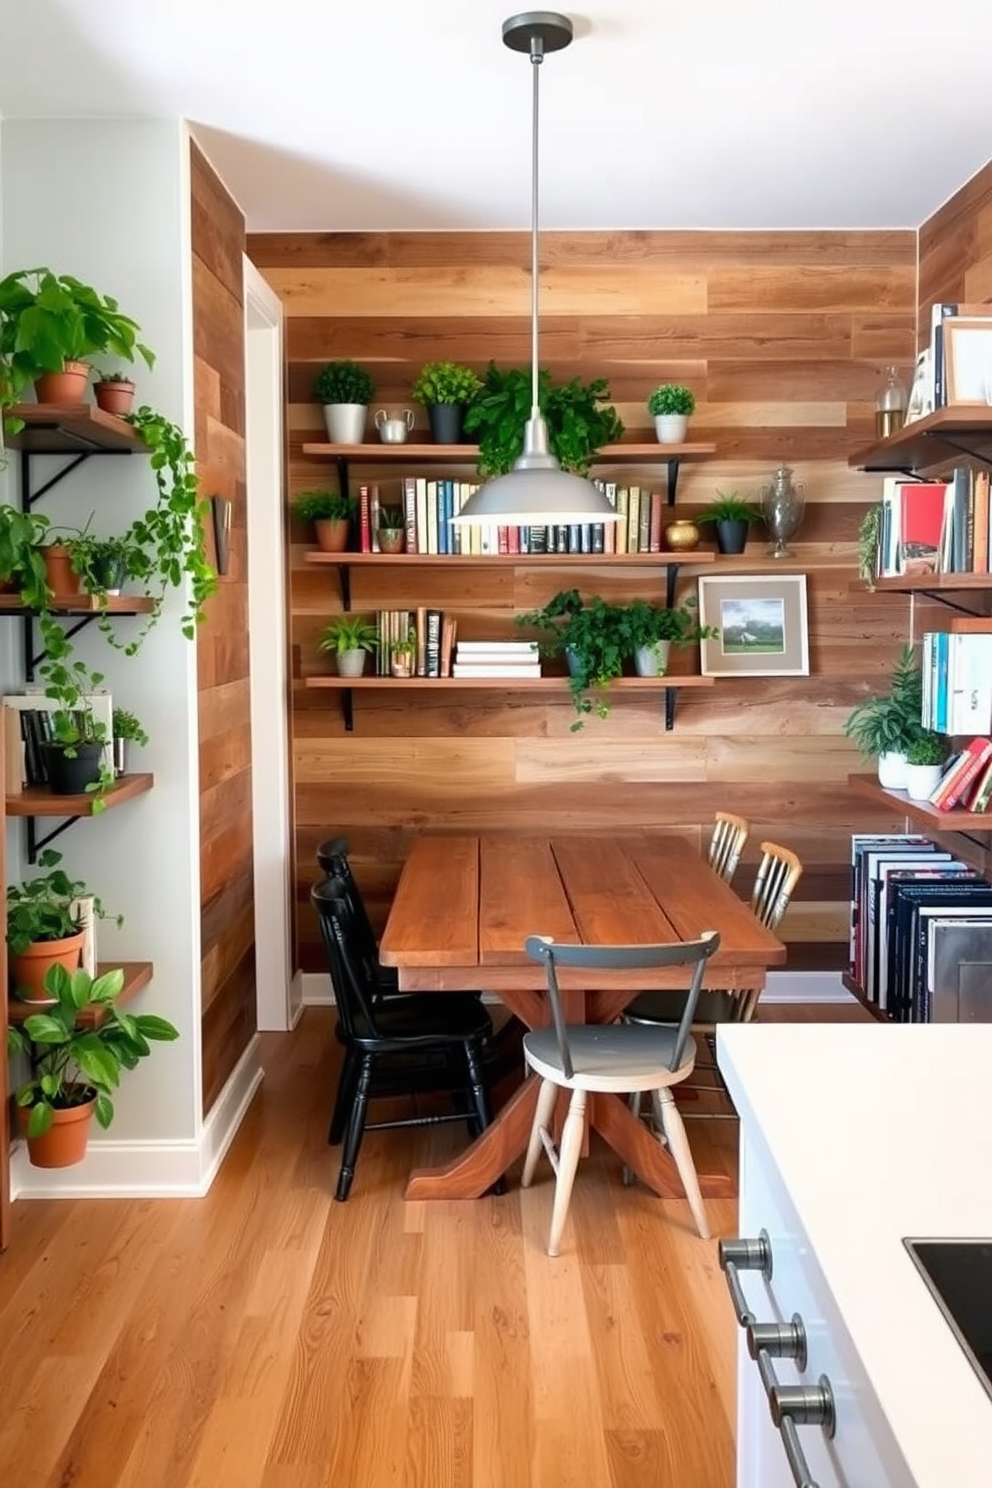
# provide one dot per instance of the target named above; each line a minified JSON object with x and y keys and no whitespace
{"x":892,"y":771}
{"x":351,"y":663}
{"x":345,"y":422}
{"x":652,"y":661}
{"x":922,"y":781}
{"x":671,"y":428}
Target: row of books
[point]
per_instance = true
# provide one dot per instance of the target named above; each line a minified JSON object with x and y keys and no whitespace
{"x":921,"y":930}
{"x":428,"y":506}
{"x":935,"y":526}
{"x":956,"y":668}
{"x":430,"y":632}
{"x":966,"y":784}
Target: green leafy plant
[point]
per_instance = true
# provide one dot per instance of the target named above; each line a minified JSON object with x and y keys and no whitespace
{"x":647,"y":624}
{"x":592,"y":636}
{"x":343,"y":382}
{"x":578,"y":423}
{"x":348,"y":632}
{"x":445,"y":382}
{"x":38,"y":908}
{"x":869,"y":533}
{"x":729,"y":507}
{"x":323,"y":506}
{"x":21,"y":563}
{"x":113,"y":377}
{"x":127,"y":726}
{"x":71,"y":1063}
{"x":392,"y":519}
{"x":49,"y":319}
{"x":890,"y":723}
{"x":406,"y":646}
{"x":928,"y":749}
{"x":103,"y":563}
{"x":669,"y":398}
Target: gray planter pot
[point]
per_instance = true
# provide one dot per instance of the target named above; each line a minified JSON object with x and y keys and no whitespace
{"x":351,"y":663}
{"x":652,"y":661}
{"x":346,"y":422}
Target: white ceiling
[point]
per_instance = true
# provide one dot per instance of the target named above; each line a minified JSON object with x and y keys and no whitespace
{"x":391,"y":115}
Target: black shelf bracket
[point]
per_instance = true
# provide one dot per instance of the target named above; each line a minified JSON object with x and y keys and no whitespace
{"x":36,"y":843}
{"x":342,"y":463}
{"x":347,"y":710}
{"x":671,"y":698}
{"x":29,"y":497}
{"x":344,"y":584}
{"x":673,"y":478}
{"x":941,"y":596}
{"x":670,"y":584}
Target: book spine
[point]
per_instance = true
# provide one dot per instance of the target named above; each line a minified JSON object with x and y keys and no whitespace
{"x":364,"y":520}
{"x":435,"y":620}
{"x":410,"y":512}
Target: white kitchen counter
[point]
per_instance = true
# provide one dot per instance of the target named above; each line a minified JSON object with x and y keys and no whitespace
{"x":879,"y":1132}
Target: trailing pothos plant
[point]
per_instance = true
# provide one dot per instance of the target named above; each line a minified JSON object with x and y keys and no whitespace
{"x":594,"y":638}
{"x":579,"y":419}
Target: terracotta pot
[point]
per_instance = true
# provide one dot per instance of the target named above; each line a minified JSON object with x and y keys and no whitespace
{"x":64,"y":1144}
{"x":114,"y":397}
{"x":58,"y":570}
{"x":28,"y":970}
{"x":67,"y":386}
{"x":332,"y":537}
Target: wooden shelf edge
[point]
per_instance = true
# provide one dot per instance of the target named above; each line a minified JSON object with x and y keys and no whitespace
{"x":487,"y":684}
{"x":137,"y":974}
{"x":921,"y":811}
{"x":82,"y":604}
{"x":457,"y":453}
{"x":852,"y":986}
{"x":692,"y":556}
{"x":914,"y":583}
{"x":37,"y":800}
{"x":56,"y":427}
{"x":917,"y":444}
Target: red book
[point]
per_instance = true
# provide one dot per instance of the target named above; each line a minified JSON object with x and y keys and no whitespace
{"x":364,"y":520}
{"x":977,"y":755}
{"x":655,"y":522}
{"x":921,"y":525}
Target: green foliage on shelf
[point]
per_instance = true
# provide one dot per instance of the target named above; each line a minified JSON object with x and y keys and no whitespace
{"x":593,"y":637}
{"x":392,"y":519}
{"x":343,"y":382}
{"x":320,"y":505}
{"x":928,"y":749}
{"x":578,"y":417}
{"x":38,"y":908}
{"x":348,"y":632}
{"x":891,"y":722}
{"x":646,"y":624}
{"x":127,"y":725}
{"x":869,"y":533}
{"x":669,"y":398}
{"x":729,"y":507}
{"x":445,"y":382}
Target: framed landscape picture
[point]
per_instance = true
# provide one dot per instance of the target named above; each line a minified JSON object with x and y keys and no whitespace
{"x":762,"y":626}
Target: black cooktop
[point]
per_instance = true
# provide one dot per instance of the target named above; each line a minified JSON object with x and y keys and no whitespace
{"x":959,"y":1275}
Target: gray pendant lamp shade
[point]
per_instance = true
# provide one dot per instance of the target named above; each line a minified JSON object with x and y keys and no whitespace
{"x":536,"y":492}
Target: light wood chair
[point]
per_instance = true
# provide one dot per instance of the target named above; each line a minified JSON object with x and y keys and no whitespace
{"x":778,"y":873}
{"x":730,"y":833}
{"x":610,"y":1058}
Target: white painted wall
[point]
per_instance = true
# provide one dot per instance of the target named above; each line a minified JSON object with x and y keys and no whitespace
{"x":108,"y":201}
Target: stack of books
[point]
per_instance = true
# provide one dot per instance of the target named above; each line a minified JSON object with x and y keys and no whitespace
{"x":508,"y":659}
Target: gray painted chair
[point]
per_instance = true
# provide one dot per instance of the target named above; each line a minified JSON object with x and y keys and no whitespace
{"x":614,"y":1058}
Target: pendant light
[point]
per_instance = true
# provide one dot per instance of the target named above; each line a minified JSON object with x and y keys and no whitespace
{"x":536,"y":492}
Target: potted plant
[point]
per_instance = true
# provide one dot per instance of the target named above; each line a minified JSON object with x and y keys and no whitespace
{"x":592,"y":636}
{"x":114,"y":392}
{"x":43,"y":925}
{"x":670,"y":405}
{"x":926,"y":757}
{"x":22,"y":566}
{"x":885,"y":725}
{"x":731,"y":514}
{"x":102,"y":563}
{"x":76,"y":1051}
{"x":578,"y":423}
{"x":869,"y":537}
{"x":391,"y":529}
{"x":345,"y":390}
{"x":350,"y":637}
{"x":74,"y":756}
{"x":402,"y":653}
{"x":446,"y":390}
{"x":331,"y":515}
{"x":49,"y":325}
{"x":126,"y":730}
{"x":652,"y":630}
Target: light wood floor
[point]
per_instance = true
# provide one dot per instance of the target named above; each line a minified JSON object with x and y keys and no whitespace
{"x":267,"y":1337}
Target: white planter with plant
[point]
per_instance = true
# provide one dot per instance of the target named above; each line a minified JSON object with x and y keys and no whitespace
{"x":345,"y":390}
{"x":349,"y":638}
{"x":886,"y":725}
{"x":925,"y":760}
{"x":652,"y":630}
{"x":670,"y":404}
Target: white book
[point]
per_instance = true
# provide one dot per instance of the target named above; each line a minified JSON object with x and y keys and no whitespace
{"x":508,"y":670}
{"x":519,"y":648}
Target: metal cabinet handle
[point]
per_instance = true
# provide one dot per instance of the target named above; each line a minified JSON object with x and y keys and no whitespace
{"x":743,"y":1254}
{"x":793,"y":1406}
{"x":779,"y":1340}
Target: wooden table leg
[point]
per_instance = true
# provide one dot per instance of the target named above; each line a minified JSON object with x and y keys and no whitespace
{"x":475,"y":1170}
{"x":653,"y":1164}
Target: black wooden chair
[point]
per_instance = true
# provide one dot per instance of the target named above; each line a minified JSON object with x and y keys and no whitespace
{"x":417,"y":1043}
{"x":332,"y":856}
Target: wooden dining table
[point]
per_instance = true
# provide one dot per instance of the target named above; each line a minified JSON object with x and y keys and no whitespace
{"x":463,"y":908}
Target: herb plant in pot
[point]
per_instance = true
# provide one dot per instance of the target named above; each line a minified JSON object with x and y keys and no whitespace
{"x":653,"y":629}
{"x":76,"y":1051}
{"x":391,"y":530}
{"x":114,"y":393}
{"x":43,"y":928}
{"x":127,"y":730}
{"x":670,"y":405}
{"x":593,"y":638}
{"x":402,"y":653}
{"x":330,"y":513}
{"x":885,"y":725}
{"x":345,"y":390}
{"x":74,"y":756}
{"x":925,"y":761}
{"x":350,"y":637}
{"x":446,"y":390}
{"x":731,"y":516}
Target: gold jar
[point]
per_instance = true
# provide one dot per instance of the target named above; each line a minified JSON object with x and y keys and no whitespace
{"x":682,"y":535}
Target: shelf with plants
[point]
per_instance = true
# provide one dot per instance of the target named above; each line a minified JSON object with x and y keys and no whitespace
{"x":36,"y":801}
{"x":922,"y":811}
{"x":82,"y":604}
{"x":71,"y":429}
{"x":137,"y":975}
{"x":489,"y":684}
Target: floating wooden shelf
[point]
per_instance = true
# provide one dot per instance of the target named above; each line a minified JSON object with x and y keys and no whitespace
{"x":83,"y":604}
{"x":922,"y":811}
{"x":940,"y":440}
{"x":137,"y":974}
{"x":72,"y":429}
{"x":503,"y":684}
{"x":459,"y":454}
{"x":872,"y":1007}
{"x":515,"y":560}
{"x":914,"y":583}
{"x":37,"y":800}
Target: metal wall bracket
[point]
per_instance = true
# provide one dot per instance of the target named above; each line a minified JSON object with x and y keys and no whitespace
{"x":36,"y":844}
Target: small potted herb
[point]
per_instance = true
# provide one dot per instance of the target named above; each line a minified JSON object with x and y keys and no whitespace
{"x":885,"y":725}
{"x":731,"y":515}
{"x":345,"y":390}
{"x":391,"y":529}
{"x":126,"y":730}
{"x":114,"y":393}
{"x":670,"y":405}
{"x":350,"y":637}
{"x":925,"y":761}
{"x":652,"y":630}
{"x":446,"y":390}
{"x":402,"y":653}
{"x":43,"y":925}
{"x":331,"y":515}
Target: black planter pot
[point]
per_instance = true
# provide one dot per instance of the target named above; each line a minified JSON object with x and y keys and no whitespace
{"x":731,"y":537}
{"x":110,"y":574}
{"x":447,"y":422}
{"x":69,"y":776}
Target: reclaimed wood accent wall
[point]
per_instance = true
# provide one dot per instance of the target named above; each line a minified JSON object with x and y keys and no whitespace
{"x":227,"y":915}
{"x":784,"y":337}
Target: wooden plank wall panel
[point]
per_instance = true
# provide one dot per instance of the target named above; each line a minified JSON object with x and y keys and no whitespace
{"x":785,"y":338}
{"x":227,"y":926}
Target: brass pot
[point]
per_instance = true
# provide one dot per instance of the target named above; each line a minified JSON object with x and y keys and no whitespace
{"x":682,"y":535}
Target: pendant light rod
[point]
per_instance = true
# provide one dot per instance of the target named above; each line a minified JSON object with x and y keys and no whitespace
{"x":536,"y":57}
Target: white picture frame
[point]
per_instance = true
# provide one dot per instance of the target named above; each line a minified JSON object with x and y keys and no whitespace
{"x":762,"y":624}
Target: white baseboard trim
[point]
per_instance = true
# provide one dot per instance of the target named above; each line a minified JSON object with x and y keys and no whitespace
{"x":148,"y":1169}
{"x":783,"y":986}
